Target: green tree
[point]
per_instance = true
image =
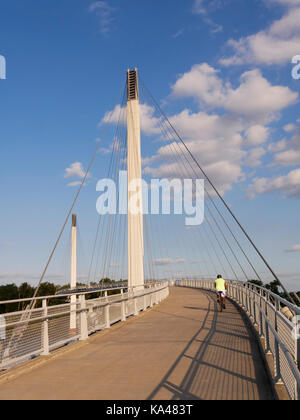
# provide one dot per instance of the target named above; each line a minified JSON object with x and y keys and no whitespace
{"x":274,"y":287}
{"x":48,"y":289}
{"x":9,"y":292}
{"x":25,"y":292}
{"x":256,"y":282}
{"x":106,"y":280}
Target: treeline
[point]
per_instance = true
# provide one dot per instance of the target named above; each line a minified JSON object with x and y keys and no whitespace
{"x":10,"y":292}
{"x":274,"y":287}
{"x":25,"y":291}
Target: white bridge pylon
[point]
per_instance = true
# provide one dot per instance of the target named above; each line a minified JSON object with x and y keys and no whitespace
{"x":135,"y":201}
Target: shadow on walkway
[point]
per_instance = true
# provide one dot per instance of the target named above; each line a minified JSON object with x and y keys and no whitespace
{"x":226,"y":364}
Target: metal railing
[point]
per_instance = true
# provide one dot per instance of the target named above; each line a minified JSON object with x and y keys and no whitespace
{"x":277,"y":322}
{"x":29,"y":333}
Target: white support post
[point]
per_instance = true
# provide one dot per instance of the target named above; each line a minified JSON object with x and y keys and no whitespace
{"x":45,"y":330}
{"x":151,"y":300}
{"x":135,"y":194}
{"x":155,"y":295}
{"x":123,"y":310}
{"x":73,"y":280}
{"x":107,"y":317}
{"x":83,"y":319}
{"x":136,"y":312}
{"x":277,"y":370}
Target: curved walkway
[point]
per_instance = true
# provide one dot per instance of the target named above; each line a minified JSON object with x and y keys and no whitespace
{"x":181,"y":349}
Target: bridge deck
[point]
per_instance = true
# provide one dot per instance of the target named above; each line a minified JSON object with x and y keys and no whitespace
{"x":182,"y":349}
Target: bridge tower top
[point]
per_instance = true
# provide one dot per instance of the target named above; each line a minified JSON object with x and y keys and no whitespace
{"x":132,"y":85}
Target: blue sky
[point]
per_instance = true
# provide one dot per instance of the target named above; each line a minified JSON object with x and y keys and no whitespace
{"x":221,"y":71}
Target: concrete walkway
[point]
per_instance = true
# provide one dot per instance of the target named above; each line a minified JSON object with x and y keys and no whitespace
{"x":182,"y":349}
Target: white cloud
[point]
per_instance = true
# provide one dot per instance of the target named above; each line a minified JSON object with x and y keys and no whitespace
{"x":104,"y":12}
{"x":114,"y":116}
{"x":75,"y":184}
{"x":168,"y":261}
{"x":256,"y":135}
{"x":276,"y":45}
{"x":75,"y":171}
{"x":202,"y":83}
{"x":255,"y":98}
{"x":290,"y":156}
{"x":178,"y":33}
{"x":205,"y":135}
{"x":289,"y":128}
{"x":277,"y":146}
{"x":294,"y":248}
{"x":200,"y":9}
{"x":254,"y":157}
{"x":288,"y":184}
{"x":149,"y":123}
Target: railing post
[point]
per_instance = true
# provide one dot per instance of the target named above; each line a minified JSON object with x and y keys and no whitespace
{"x":248,"y":301}
{"x":267,"y":337}
{"x":276,"y":357}
{"x":45,"y":330}
{"x":123,"y":311}
{"x":83,"y":319}
{"x":160,"y":295}
{"x":151,"y":300}
{"x":251,"y":304}
{"x":136,"y":312}
{"x":261,"y":331}
{"x":254,"y":306}
{"x":107,"y":318}
{"x":156,"y":295}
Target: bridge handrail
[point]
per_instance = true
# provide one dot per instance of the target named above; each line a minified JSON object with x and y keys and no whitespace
{"x":38,"y":331}
{"x":277,"y":332}
{"x":269,"y":293}
{"x":99,"y":305}
{"x":58,"y":296}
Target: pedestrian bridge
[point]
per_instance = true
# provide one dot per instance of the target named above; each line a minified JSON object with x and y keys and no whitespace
{"x":183,"y":348}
